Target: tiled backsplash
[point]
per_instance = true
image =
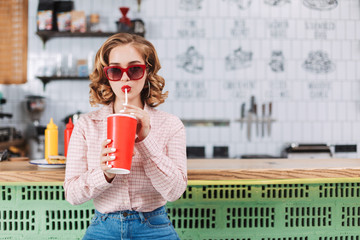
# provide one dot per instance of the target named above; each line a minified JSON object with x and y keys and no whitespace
{"x":302,"y":56}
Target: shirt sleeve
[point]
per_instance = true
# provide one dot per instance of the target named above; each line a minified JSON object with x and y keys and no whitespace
{"x":81,"y":184}
{"x":167,"y":169}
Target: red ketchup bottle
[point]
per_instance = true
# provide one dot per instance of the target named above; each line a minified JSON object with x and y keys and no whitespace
{"x":67,"y":134}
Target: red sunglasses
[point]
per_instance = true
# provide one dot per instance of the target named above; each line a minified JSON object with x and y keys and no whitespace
{"x":134,"y":72}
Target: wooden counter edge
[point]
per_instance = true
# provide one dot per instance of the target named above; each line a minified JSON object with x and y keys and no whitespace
{"x":241,"y":174}
{"x":32,"y":176}
{"x":199,"y":175}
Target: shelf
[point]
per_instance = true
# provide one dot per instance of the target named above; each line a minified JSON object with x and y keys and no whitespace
{"x":45,"y":80}
{"x":47,"y":35}
{"x":205,"y":122}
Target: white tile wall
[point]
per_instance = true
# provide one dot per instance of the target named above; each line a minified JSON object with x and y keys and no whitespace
{"x":328,"y":112}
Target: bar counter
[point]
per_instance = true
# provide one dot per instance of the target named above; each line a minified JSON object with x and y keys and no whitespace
{"x":22,"y":172}
{"x":242,"y":199}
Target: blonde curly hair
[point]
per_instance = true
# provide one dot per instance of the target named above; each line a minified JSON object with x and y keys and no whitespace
{"x":100,"y":90}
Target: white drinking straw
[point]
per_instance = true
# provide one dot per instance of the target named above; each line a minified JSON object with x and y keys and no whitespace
{"x":126,"y":97}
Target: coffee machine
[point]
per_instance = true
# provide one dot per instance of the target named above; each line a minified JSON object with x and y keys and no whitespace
{"x":35,"y":133}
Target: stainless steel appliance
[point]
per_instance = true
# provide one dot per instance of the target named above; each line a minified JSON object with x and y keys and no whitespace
{"x":35,"y":106}
{"x":305,"y":150}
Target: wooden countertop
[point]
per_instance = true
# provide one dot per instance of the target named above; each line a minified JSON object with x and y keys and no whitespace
{"x":210,"y":169}
{"x":262,"y":169}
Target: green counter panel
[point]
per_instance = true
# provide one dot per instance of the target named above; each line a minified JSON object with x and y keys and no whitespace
{"x":301,"y":211}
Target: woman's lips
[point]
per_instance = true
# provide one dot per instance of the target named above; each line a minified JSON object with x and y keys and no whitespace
{"x":126,"y":87}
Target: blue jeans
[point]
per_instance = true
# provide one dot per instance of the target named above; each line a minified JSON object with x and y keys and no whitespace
{"x":131,"y":225}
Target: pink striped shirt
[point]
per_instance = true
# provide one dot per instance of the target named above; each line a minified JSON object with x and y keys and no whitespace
{"x":158,"y":172}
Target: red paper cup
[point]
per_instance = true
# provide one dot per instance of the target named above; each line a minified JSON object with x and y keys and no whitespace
{"x":121,"y":128}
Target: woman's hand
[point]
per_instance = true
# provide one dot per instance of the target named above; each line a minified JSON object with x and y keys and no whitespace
{"x":143,"y":120}
{"x":104,"y":158}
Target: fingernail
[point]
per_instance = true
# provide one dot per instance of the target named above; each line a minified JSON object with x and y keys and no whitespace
{"x":132,"y":113}
{"x":112,"y":157}
{"x":113,"y":149}
{"x":108,"y":140}
{"x":124,"y":104}
{"x":122,"y":110}
{"x":110,"y":166}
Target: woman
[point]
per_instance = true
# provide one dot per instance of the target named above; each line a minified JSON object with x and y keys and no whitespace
{"x":127,"y":206}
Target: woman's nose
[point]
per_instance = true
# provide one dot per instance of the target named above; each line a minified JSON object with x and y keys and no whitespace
{"x":125,"y":77}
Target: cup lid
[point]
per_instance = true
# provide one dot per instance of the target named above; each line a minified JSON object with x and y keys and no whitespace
{"x":118,"y":171}
{"x":122,"y":114}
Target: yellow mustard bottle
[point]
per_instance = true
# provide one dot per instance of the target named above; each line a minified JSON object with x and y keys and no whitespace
{"x":51,"y":139}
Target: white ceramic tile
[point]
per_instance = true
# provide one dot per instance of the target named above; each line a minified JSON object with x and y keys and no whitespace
{"x":341,"y":111}
{"x":32,"y":8}
{"x":355,"y":89}
{"x":355,"y":135}
{"x":224,"y":136}
{"x":353,"y":10}
{"x":351,"y":111}
{"x":191,"y":136}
